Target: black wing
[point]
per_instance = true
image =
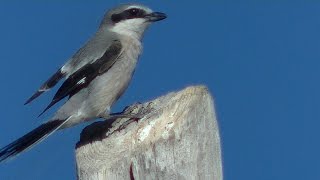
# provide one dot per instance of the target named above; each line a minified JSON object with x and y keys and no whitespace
{"x":52,"y":81}
{"x":83,"y":77}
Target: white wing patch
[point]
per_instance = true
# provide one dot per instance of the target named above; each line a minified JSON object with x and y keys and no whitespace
{"x":82,"y":81}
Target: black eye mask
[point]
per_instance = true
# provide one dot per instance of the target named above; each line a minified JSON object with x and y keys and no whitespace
{"x":128,"y":14}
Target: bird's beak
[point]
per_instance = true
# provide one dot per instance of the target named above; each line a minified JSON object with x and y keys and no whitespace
{"x":155,"y":16}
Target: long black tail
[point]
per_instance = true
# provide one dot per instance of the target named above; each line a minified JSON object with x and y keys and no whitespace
{"x":30,"y":139}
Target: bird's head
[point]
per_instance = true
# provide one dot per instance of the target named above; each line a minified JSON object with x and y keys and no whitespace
{"x":130,"y":19}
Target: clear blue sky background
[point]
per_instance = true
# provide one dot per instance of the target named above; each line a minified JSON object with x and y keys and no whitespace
{"x":261,"y":62}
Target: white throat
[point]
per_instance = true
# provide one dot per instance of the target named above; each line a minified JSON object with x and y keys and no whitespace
{"x":133,"y":28}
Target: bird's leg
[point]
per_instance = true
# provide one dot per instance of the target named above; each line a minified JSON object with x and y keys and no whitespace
{"x":134,"y":112}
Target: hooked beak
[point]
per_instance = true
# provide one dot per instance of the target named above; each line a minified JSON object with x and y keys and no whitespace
{"x":155,"y":16}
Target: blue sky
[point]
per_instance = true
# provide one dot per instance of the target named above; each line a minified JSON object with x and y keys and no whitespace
{"x":260,"y":60}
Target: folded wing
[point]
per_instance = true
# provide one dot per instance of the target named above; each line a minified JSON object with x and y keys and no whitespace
{"x":52,"y":81}
{"x":86,"y":74}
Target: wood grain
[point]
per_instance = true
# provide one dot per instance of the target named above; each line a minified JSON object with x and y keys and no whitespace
{"x":178,"y":139}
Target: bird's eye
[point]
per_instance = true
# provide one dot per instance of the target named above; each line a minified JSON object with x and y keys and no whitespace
{"x":134,"y":11}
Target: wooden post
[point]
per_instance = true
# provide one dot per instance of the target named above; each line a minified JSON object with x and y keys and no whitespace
{"x":178,"y":139}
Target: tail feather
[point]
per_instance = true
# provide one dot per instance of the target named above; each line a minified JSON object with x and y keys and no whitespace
{"x":30,"y":139}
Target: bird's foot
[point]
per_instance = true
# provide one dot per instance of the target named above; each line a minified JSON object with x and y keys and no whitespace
{"x":134,"y":112}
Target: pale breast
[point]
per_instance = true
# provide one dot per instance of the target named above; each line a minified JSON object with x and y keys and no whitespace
{"x":106,"y":89}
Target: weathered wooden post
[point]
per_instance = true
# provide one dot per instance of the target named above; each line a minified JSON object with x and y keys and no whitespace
{"x":178,"y":139}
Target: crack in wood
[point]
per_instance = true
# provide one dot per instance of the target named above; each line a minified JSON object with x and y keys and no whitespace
{"x":131,"y":172}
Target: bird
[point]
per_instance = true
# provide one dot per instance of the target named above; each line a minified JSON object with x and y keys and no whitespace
{"x":95,"y":77}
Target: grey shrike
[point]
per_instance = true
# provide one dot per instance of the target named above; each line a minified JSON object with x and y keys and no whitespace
{"x":95,"y":77}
